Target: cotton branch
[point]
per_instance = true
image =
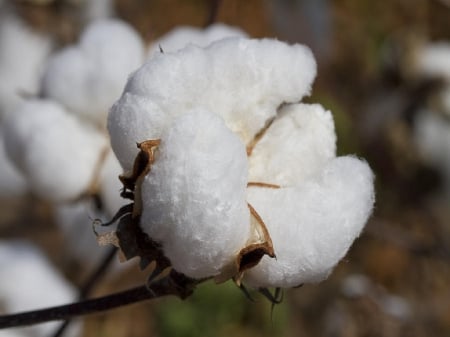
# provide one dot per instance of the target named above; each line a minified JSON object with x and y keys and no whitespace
{"x":175,"y":284}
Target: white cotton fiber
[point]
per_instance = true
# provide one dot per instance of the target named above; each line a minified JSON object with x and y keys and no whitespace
{"x":181,"y":36}
{"x":433,"y":60}
{"x":194,"y":196}
{"x":299,"y":142}
{"x":313,"y":224}
{"x":29,"y":282}
{"x":22,"y":56}
{"x":432,"y":137}
{"x":57,"y":154}
{"x":243,"y":81}
{"x":88,"y":78}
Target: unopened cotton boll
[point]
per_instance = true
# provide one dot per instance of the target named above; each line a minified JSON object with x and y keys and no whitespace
{"x":181,"y":36}
{"x":57,"y":153}
{"x":312,"y":224}
{"x":244,"y":81}
{"x":88,"y":77}
{"x":298,"y":143}
{"x":193,"y":198}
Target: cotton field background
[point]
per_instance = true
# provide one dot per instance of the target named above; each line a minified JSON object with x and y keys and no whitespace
{"x":376,"y":88}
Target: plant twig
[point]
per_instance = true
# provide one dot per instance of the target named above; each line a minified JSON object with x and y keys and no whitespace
{"x":175,"y":284}
{"x":213,"y":12}
{"x":89,"y":285}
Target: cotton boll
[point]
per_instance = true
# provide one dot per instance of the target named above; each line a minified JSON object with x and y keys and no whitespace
{"x":57,"y":154}
{"x":29,"y":282}
{"x":242,"y":80}
{"x":313,"y":224}
{"x":433,"y":60}
{"x":432,"y":136}
{"x":183,"y":35}
{"x":194,"y":195}
{"x":22,"y":56}
{"x":110,"y":185}
{"x":88,"y":77}
{"x":299,"y":142}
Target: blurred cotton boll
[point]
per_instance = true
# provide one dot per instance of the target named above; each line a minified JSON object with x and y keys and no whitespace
{"x":23,"y":53}
{"x":57,"y":153}
{"x":88,"y":77}
{"x":29,"y":282}
{"x":182,"y":36}
{"x":12,"y":183}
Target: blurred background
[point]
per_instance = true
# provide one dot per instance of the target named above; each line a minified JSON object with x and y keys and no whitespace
{"x":384,"y":72}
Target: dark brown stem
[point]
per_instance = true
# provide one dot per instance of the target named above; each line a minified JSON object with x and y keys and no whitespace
{"x":175,"y":284}
{"x":213,"y":12}
{"x":89,"y":284}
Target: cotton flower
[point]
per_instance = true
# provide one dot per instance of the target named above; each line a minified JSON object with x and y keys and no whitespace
{"x":237,"y":167}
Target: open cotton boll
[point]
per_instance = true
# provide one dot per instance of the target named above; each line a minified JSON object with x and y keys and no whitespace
{"x":29,"y":282}
{"x":57,"y":154}
{"x":181,"y":36}
{"x":88,"y":78}
{"x":193,"y":198}
{"x":299,"y":142}
{"x":242,"y":80}
{"x":23,"y":53}
{"x":313,"y":224}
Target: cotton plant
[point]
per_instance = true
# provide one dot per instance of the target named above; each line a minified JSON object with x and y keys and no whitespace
{"x":23,"y":53}
{"x":31,"y":282}
{"x":59,"y":139}
{"x":432,"y":123}
{"x":233,"y":177}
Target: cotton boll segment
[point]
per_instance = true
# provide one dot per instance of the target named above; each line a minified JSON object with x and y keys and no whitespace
{"x":183,"y":35}
{"x":57,"y":154}
{"x":313,"y":224}
{"x":194,"y":195}
{"x":88,"y":77}
{"x":242,"y":80}
{"x":29,"y":282}
{"x":295,"y":146}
